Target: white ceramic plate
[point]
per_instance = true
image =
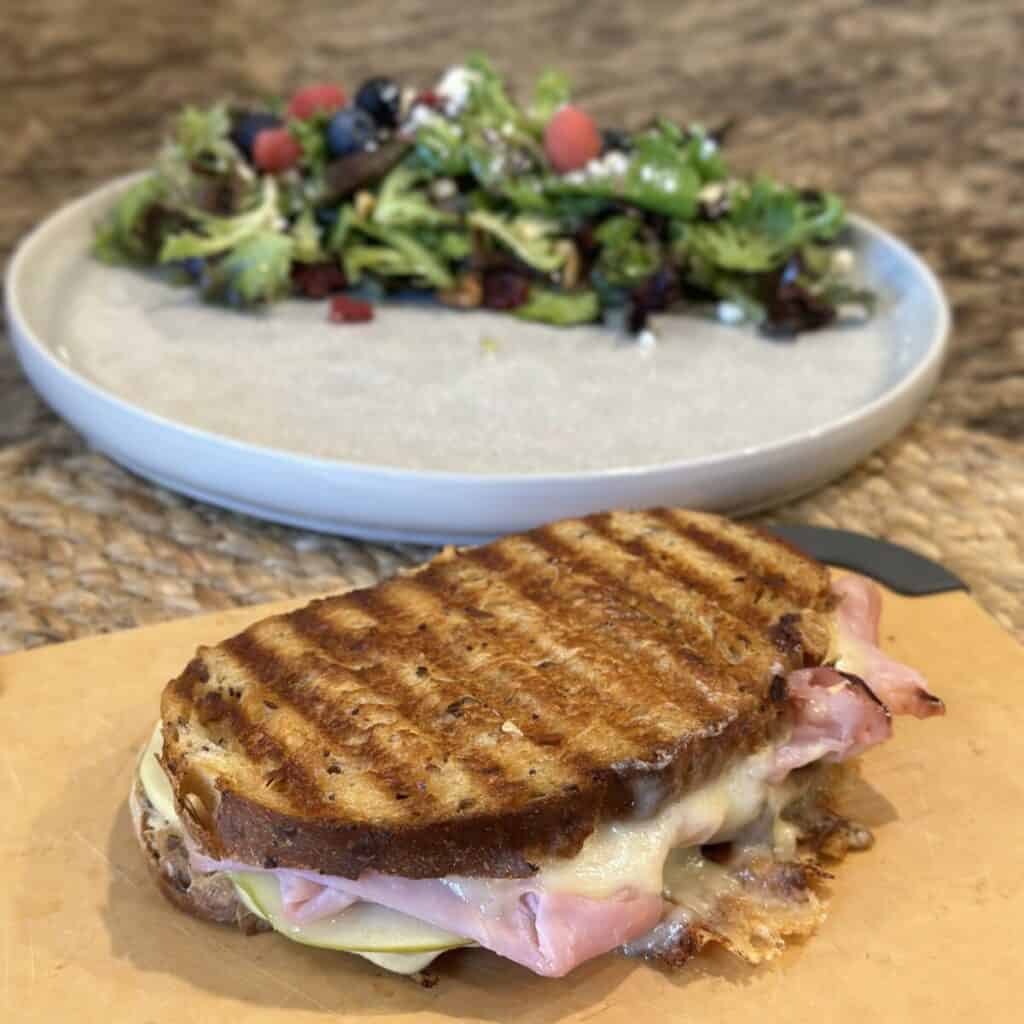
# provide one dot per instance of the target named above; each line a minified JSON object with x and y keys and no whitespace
{"x":433,"y":425}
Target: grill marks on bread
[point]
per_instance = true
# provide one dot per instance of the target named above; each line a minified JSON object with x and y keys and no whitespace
{"x":498,"y":688}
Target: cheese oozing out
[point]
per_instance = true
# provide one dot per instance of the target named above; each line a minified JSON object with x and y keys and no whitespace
{"x":619,"y":855}
{"x":626,"y":854}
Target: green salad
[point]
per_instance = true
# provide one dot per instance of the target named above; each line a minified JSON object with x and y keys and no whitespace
{"x":480,"y":201}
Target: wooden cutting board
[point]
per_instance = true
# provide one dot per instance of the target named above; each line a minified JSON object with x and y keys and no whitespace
{"x":926,"y":927}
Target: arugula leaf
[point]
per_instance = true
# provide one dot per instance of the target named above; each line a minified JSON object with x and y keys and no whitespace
{"x":528,"y":193}
{"x":661,"y":177}
{"x":454,"y":246}
{"x":400,"y":204}
{"x":627,"y":257}
{"x":221,"y":234}
{"x":440,"y":147}
{"x":258,"y":269}
{"x":203,"y":133}
{"x":561,"y":308}
{"x":530,"y":238}
{"x":118,"y":238}
{"x":825,"y":219}
{"x":487,"y":94}
{"x":702,"y":152}
{"x":305,"y":235}
{"x":310,"y":133}
{"x":342,"y":227}
{"x":767,"y":224}
{"x":492,"y":139}
{"x":398,"y":254}
{"x":551,"y":92}
{"x":732,"y":247}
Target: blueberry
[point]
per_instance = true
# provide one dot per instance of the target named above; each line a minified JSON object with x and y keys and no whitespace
{"x":247,"y":125}
{"x":349,"y":131}
{"x":612,"y":139}
{"x":381,"y":98}
{"x":326,"y":216}
{"x":195,"y":267}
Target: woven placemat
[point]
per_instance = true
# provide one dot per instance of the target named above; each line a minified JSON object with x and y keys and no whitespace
{"x":911,"y":111}
{"x":86,"y":547}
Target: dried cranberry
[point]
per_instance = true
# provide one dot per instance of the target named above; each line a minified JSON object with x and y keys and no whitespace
{"x":659,"y":291}
{"x":346,"y":310}
{"x":789,"y":306}
{"x":655,"y":294}
{"x":505,"y":289}
{"x":793,"y":308}
{"x":317,"y":280}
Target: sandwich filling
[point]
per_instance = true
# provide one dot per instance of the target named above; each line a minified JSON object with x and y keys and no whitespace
{"x":635,"y":883}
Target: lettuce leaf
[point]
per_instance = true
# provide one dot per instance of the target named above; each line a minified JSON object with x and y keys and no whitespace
{"x":551,"y":92}
{"x":200,"y":133}
{"x":767,"y":223}
{"x":258,"y":269}
{"x":118,"y":237}
{"x":392,"y":252}
{"x":561,"y":308}
{"x":305,"y":234}
{"x":401,"y":204}
{"x":627,"y":255}
{"x":221,"y":234}
{"x":530,"y":238}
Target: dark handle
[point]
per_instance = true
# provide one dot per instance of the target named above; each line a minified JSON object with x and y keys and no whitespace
{"x":899,"y":568}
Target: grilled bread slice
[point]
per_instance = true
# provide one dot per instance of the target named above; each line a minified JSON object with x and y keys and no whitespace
{"x":489,"y":709}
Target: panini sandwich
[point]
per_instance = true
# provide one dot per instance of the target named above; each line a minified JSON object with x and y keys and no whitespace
{"x":621,"y":732}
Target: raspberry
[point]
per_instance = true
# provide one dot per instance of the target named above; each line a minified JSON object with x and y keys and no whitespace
{"x":313,"y":98}
{"x":349,"y":311}
{"x":571,"y":140}
{"x":275,"y":149}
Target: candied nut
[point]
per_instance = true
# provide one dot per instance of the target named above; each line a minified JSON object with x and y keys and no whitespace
{"x":364,"y":204}
{"x":570,"y":255}
{"x":467,"y":293}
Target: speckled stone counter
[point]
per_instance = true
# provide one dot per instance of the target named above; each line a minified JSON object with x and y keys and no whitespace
{"x":915,"y":111}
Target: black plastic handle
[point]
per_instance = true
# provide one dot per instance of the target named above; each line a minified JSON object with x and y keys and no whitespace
{"x":899,"y":568}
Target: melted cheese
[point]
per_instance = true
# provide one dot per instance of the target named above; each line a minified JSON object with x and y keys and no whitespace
{"x":657,"y":854}
{"x":155,"y":782}
{"x":632,"y":854}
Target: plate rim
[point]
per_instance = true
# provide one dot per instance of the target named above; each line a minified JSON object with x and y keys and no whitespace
{"x":23,"y":333}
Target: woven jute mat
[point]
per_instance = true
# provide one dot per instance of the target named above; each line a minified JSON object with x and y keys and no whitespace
{"x":87,"y":547}
{"x":911,"y":111}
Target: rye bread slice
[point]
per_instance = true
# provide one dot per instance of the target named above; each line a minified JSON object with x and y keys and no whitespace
{"x":488,"y":710}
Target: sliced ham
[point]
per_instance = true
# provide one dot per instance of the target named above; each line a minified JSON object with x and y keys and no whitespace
{"x":550,"y":933}
{"x":305,"y":900}
{"x":902,"y":689}
{"x":834,"y":717}
{"x":840,"y":712}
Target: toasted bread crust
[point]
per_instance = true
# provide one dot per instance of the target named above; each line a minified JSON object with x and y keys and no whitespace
{"x":209,"y":897}
{"x":488,"y":710}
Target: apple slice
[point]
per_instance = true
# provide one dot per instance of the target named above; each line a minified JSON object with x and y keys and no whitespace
{"x":361,"y":928}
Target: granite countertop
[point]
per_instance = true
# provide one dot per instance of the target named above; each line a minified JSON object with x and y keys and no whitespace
{"x":915,"y":111}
